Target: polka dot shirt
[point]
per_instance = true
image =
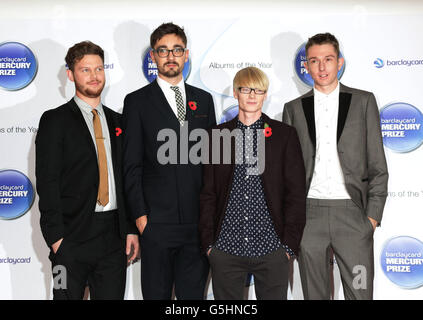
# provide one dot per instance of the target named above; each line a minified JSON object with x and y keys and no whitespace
{"x":247,"y":228}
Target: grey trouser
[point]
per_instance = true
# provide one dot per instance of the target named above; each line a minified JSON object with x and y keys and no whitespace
{"x":341,"y":227}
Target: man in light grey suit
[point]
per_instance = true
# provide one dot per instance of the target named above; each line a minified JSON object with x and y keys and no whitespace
{"x":346,"y":175}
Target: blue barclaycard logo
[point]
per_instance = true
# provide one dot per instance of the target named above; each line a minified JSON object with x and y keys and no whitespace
{"x":401,"y":125}
{"x":150,"y":71}
{"x":301,"y":71}
{"x":379,"y":63}
{"x":229,"y":113}
{"x":402,"y":261}
{"x":18,"y":66}
{"x":16,"y":194}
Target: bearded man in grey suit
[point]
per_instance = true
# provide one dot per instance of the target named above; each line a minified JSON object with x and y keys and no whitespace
{"x":346,"y":175}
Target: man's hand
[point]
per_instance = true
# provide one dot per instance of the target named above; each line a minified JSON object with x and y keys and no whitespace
{"x":141,"y":222}
{"x":55,"y":246}
{"x":132,"y":244}
{"x":374,"y":223}
{"x":287,"y":254}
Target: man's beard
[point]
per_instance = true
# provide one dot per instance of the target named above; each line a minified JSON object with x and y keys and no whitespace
{"x":88,"y":92}
{"x":172,"y":73}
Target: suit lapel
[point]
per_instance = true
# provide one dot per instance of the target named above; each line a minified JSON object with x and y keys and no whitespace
{"x":229,"y":169}
{"x":190,"y":96}
{"x":111,"y":125}
{"x":344,"y":106}
{"x":231,"y":126}
{"x":80,"y":121}
{"x":268,"y":161}
{"x":308,"y":108}
{"x":164,"y":108}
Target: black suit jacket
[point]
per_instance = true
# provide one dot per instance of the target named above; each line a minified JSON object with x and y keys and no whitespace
{"x":167,"y":193}
{"x":283,"y":182}
{"x":67,"y":173}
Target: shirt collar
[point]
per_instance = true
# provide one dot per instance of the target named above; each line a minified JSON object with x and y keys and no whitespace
{"x":333,"y":95}
{"x":259,"y":124}
{"x":85,"y":107}
{"x":164,"y":84}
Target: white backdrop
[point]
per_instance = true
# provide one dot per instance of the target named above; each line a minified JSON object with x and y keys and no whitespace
{"x":221,"y":36}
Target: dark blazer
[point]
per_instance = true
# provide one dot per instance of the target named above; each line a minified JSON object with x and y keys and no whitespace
{"x":360,"y":145}
{"x":167,"y":193}
{"x":67,"y":174}
{"x":283,"y":182}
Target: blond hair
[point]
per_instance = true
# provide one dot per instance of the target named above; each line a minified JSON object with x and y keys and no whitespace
{"x":251,"y":77}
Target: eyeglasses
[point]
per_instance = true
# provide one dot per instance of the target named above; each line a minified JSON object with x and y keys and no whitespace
{"x":246,"y":90}
{"x":163,"y":52}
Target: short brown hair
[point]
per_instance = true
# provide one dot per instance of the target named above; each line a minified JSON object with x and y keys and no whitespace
{"x":251,"y":77}
{"x":79,"y":50}
{"x":323,"y":38}
{"x":167,"y":28}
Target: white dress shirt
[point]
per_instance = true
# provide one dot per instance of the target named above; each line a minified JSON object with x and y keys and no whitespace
{"x":170,"y":94}
{"x":86,"y":110}
{"x":328,"y":180}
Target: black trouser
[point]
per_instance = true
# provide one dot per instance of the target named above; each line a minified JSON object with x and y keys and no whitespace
{"x":170,"y":256}
{"x":229,"y":274}
{"x":99,"y":261}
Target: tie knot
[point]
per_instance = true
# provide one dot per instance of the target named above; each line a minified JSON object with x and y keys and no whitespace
{"x":175,"y":88}
{"x":94,"y":112}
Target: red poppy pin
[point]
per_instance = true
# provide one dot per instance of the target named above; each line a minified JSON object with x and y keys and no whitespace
{"x":118,"y":132}
{"x":267,"y":130}
{"x":192,"y":105}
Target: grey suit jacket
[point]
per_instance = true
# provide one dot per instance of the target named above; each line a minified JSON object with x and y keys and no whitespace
{"x":360,"y":146}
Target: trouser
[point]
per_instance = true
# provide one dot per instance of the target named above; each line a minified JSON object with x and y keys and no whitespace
{"x":171,"y":257}
{"x":341,"y":227}
{"x":229,"y":273}
{"x":99,"y":262}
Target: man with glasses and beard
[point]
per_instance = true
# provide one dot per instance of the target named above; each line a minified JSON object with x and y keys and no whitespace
{"x":79,"y":182}
{"x":163,"y":199}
